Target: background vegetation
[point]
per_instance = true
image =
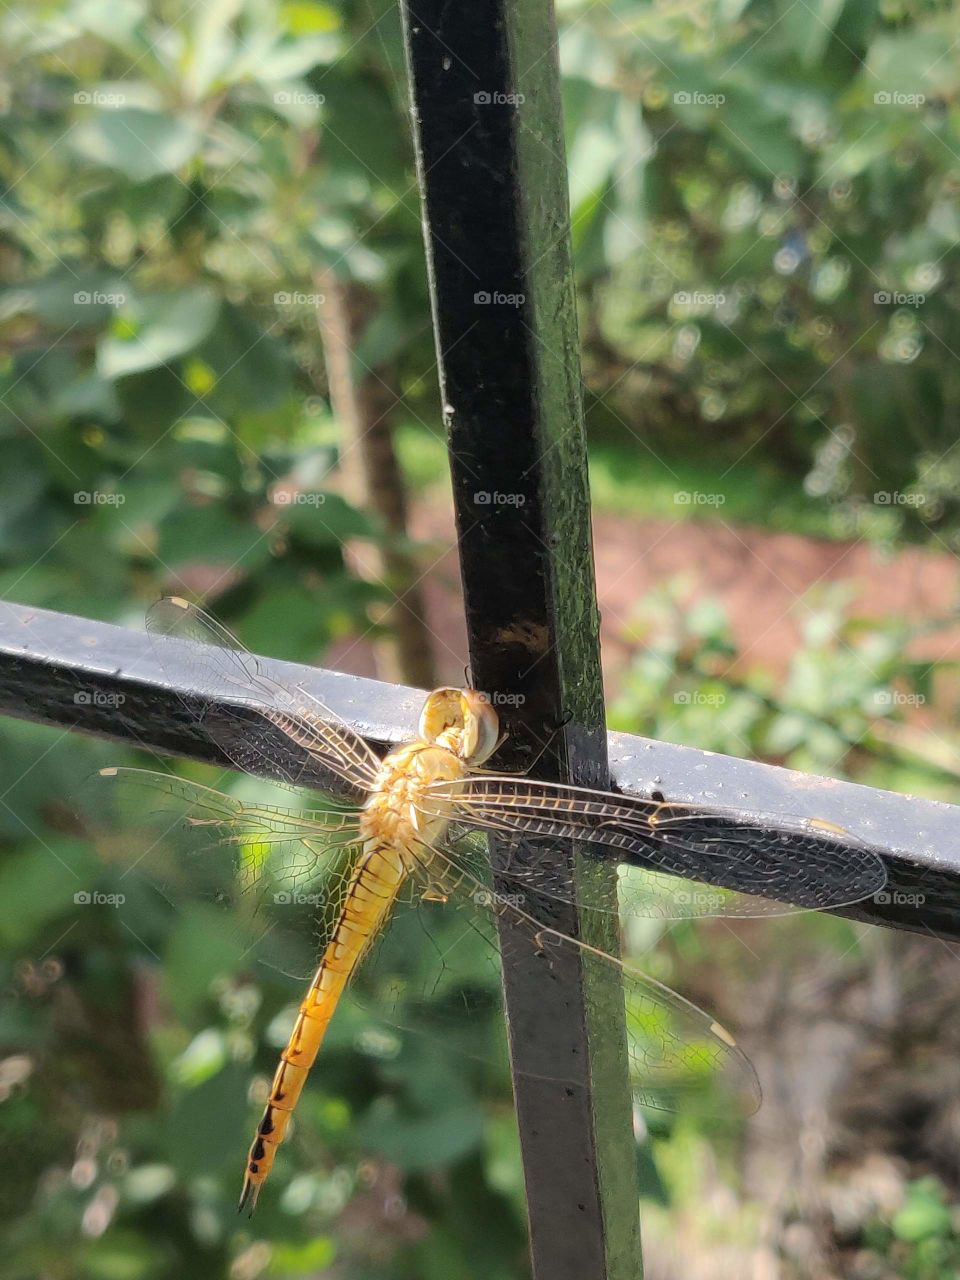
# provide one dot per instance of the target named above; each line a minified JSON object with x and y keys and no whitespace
{"x":765,"y":216}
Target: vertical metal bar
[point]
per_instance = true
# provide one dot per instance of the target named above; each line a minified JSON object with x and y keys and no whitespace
{"x":487,"y":122}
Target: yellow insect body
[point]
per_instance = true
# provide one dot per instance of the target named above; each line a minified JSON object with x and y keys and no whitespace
{"x":396,"y":837}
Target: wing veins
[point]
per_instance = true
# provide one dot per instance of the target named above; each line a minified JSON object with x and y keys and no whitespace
{"x":714,"y":1046}
{"x":826,"y":871}
{"x":324,"y":735}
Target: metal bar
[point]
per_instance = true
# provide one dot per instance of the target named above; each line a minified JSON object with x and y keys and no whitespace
{"x":492,"y":173}
{"x":74,"y":673}
{"x":113,"y":682}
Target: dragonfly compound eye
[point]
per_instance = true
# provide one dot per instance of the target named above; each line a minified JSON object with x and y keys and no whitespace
{"x":463,"y":721}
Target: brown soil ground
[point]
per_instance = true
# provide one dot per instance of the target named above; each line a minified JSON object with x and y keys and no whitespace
{"x":766,"y":582}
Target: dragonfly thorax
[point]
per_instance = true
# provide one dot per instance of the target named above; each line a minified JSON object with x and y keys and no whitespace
{"x":393,"y":814}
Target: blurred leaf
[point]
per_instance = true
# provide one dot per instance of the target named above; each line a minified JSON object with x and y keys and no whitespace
{"x":289,"y":59}
{"x":123,"y":1255}
{"x":208,"y":1127}
{"x":651,"y":1184}
{"x":811,"y":26}
{"x":204,"y":1056}
{"x":324,"y":519}
{"x":303,"y":18}
{"x":925,"y":1214}
{"x":360,"y":135}
{"x":763,"y":138}
{"x":148,"y":1183}
{"x":210,"y":536}
{"x":249,"y":369}
{"x":139,"y":144}
{"x":303,"y":1259}
{"x":203,"y":946}
{"x":292,"y":622}
{"x":422,"y":1142}
{"x":40,"y":885}
{"x":910,"y":62}
{"x":159,"y":329}
{"x":112,"y":20}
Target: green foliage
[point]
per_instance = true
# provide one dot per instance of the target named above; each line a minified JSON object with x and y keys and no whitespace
{"x":840,"y":710}
{"x":166,"y":236}
{"x":179,"y":181}
{"x":922,"y":1241}
{"x":764,"y":200}
{"x":168,"y":225}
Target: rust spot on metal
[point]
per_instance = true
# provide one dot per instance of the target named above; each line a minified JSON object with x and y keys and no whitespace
{"x":531,"y":636}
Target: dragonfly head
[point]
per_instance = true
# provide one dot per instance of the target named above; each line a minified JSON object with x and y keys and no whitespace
{"x":463,"y":721}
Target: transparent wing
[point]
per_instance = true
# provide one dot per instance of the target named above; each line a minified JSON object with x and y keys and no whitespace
{"x":679,"y":1055}
{"x":312,"y":740}
{"x":264,"y":883}
{"x":281,"y":874}
{"x":811,"y":865}
{"x":429,"y":993}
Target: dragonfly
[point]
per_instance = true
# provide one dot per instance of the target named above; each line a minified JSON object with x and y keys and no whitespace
{"x":415,"y":823}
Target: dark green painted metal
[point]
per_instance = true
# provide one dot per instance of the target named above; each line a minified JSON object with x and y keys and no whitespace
{"x":488,"y":129}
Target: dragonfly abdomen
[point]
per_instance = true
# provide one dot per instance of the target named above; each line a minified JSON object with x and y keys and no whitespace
{"x":373,"y":887}
{"x":395,"y":838}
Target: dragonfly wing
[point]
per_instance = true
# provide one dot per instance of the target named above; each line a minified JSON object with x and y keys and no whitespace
{"x":312,"y":740}
{"x":811,"y":865}
{"x":279,"y":873}
{"x":528,"y":862}
{"x":658,"y":896}
{"x":429,"y":987}
{"x":679,"y":1055}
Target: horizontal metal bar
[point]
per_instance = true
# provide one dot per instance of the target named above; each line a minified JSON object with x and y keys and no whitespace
{"x":106,"y":680}
{"x":114,"y":682}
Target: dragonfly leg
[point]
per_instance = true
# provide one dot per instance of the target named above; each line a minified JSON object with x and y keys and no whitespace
{"x":545,"y":747}
{"x":434,"y":893}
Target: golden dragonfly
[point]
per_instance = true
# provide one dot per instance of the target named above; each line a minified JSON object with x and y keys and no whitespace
{"x":415,"y":823}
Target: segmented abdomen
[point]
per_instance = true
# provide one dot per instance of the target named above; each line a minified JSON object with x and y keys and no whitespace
{"x":371,"y":893}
